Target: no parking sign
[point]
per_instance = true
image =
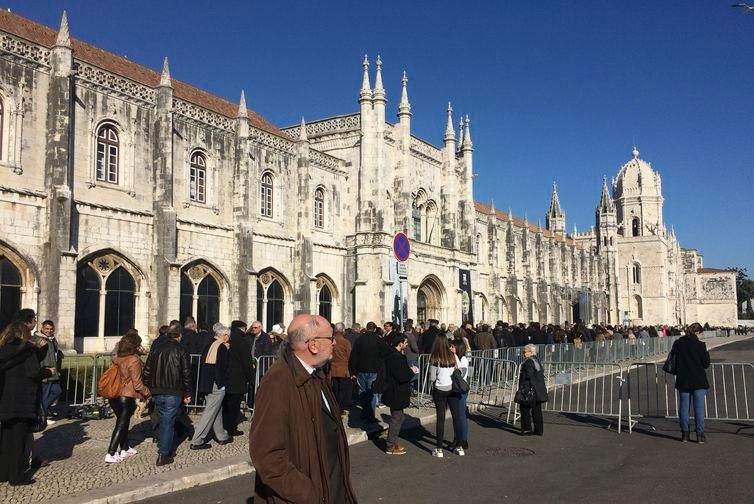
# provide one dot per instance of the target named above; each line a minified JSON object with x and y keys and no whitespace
{"x":401,"y":247}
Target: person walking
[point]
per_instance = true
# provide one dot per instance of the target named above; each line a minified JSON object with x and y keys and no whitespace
{"x":241,"y":374}
{"x":213,"y":379}
{"x":20,"y":391}
{"x":131,"y":388}
{"x":397,"y":396}
{"x":442,"y":363}
{"x":167,"y":374}
{"x":532,"y":377}
{"x":460,"y":349}
{"x":297,"y":442}
{"x":342,"y":380}
{"x":365,"y":360}
{"x":692,"y":358}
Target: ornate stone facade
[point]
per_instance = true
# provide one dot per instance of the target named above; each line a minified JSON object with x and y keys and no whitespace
{"x":128,"y":198}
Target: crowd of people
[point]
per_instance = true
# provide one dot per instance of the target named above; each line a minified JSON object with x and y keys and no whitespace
{"x":374,"y":366}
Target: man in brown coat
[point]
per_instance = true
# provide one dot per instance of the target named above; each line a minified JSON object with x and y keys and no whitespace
{"x":485,"y":340}
{"x":296,"y":441}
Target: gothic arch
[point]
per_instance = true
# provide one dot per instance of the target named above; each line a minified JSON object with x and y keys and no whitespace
{"x":326,"y":298}
{"x":21,"y":288}
{"x":431,"y":299}
{"x":274,"y":298}
{"x":204,"y":292}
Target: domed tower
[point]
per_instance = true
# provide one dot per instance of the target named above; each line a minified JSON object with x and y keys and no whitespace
{"x":638,"y":198}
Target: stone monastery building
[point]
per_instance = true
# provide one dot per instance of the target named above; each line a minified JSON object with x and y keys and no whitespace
{"x":128,"y":199}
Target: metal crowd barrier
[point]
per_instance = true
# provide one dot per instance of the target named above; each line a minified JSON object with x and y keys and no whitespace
{"x":651,"y":393}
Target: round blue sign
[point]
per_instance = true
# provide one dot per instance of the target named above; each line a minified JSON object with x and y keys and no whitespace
{"x":401,"y":247}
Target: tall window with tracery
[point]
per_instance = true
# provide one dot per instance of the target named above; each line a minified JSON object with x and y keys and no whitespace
{"x":2,"y":116}
{"x":637,"y":273}
{"x":198,"y":178}
{"x":319,"y":208}
{"x":108,"y":146}
{"x":266,"y":195}
{"x":416,"y":217}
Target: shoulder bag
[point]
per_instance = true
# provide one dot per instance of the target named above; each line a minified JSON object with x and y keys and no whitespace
{"x":460,"y":386}
{"x":671,"y":364}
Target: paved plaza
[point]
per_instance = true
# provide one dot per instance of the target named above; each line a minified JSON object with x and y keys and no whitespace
{"x":78,"y":474}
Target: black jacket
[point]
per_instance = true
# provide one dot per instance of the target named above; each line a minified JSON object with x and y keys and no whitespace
{"x":399,"y":375}
{"x":692,"y":358}
{"x":240,"y":363}
{"x":20,"y":380}
{"x":427,"y":339}
{"x":168,"y":370}
{"x":530,"y":377}
{"x":263,"y":345}
{"x":214,"y":374}
{"x":366,"y":354}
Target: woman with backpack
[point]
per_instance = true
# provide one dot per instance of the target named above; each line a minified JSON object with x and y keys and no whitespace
{"x":533,"y":391}
{"x":130,"y":387}
{"x":442,"y":363}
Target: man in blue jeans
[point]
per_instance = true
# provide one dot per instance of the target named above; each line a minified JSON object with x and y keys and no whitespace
{"x":167,"y":373}
{"x":366,"y":358}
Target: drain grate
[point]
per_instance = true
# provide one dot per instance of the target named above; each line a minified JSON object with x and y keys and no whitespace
{"x":509,"y":452}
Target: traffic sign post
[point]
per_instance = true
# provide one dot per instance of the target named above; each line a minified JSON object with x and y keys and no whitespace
{"x":402,"y":251}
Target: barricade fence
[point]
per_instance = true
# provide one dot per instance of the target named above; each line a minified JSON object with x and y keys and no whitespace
{"x":651,"y":393}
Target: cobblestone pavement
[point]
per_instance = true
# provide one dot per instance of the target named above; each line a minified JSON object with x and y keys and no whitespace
{"x":76,"y":450}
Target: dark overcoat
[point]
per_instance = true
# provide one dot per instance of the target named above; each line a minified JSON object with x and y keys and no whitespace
{"x":240,"y":363}
{"x":530,"y":376}
{"x":286,"y":441}
{"x":692,"y":358}
{"x":20,"y":380}
{"x":399,"y":375}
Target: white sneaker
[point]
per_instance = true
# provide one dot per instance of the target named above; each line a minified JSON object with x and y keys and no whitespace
{"x":459,"y":451}
{"x":113,"y":459}
{"x":124,"y":454}
{"x":50,"y":421}
{"x":437,"y":452}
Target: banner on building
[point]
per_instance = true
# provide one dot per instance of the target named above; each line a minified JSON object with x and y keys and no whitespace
{"x":467,"y":305}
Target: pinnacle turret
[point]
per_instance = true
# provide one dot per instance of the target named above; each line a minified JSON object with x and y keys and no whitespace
{"x":606,"y":201}
{"x":242,"y":112}
{"x":460,"y":133}
{"x":366,"y":90}
{"x":467,"y":145}
{"x":555,"y":218}
{"x":404,"y":108}
{"x":64,"y":35}
{"x":302,"y":136}
{"x":165,"y":77}
{"x":379,"y":91}
{"x":450,"y":133}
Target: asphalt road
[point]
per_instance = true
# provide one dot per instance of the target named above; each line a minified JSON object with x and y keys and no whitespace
{"x":579,"y":460}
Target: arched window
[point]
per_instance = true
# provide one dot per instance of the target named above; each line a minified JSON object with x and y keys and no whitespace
{"x":107,"y":154}
{"x":2,"y":116}
{"x":416,"y":216}
{"x":325,"y":302}
{"x":635,"y":227}
{"x":421,"y":307}
{"x":319,"y":208}
{"x":87,"y":302}
{"x":200,"y":294}
{"x":638,"y":311}
{"x":119,"y":302}
{"x":637,"y":273}
{"x":198,"y":178}
{"x":10,"y":291}
{"x":274,"y":304}
{"x":266,"y":195}
{"x":208,"y":302}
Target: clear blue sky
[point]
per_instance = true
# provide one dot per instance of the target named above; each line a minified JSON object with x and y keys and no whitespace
{"x":555,"y":90}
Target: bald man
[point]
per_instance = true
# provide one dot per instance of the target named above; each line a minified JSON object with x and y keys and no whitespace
{"x":297,"y":442}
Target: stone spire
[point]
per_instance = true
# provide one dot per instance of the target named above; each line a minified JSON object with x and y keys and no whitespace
{"x":467,"y":145}
{"x":366,"y":90}
{"x":555,"y":218}
{"x":510,"y":214}
{"x":379,"y":91}
{"x":64,"y":35}
{"x":302,"y":136}
{"x":404,"y":108}
{"x":492,"y":208}
{"x":606,"y":201}
{"x":460,"y":133}
{"x":450,"y":133}
{"x":242,"y":112}
{"x":165,"y":77}
{"x":635,"y":152}
{"x":555,"y":210}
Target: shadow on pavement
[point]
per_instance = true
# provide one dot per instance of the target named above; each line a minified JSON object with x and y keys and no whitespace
{"x":58,"y":443}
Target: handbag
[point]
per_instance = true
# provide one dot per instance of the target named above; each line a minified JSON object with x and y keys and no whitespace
{"x":525,"y":396}
{"x":671,"y":363}
{"x":460,"y":386}
{"x":41,"y":423}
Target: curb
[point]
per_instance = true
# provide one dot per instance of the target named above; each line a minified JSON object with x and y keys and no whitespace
{"x":213,"y":472}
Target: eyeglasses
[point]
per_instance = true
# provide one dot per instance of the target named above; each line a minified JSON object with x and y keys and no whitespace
{"x":331,"y":338}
